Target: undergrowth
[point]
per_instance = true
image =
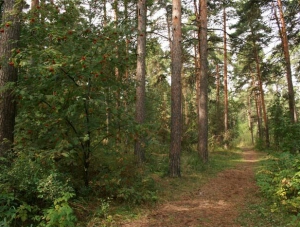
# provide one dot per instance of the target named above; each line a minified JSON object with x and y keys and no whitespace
{"x":279,"y":180}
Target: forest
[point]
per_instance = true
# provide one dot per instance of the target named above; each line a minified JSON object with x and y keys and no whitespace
{"x":103,"y":102}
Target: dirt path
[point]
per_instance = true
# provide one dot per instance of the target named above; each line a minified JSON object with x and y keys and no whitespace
{"x":216,"y":204}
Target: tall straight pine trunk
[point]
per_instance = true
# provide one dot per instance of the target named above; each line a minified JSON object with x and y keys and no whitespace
{"x":203,"y":84}
{"x":140,"y":77}
{"x":176,"y":115}
{"x":226,"y":135}
{"x":8,"y":73}
{"x":285,"y":47}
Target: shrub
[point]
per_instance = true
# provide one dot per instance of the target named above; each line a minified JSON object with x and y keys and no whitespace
{"x":30,"y":185}
{"x":279,"y":180}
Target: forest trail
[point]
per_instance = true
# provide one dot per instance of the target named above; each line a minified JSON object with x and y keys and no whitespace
{"x":217,"y":203}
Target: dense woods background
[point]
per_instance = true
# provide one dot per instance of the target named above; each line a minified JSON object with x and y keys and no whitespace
{"x":96,"y":97}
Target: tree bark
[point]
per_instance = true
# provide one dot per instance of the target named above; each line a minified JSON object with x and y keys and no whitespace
{"x":262,"y":96}
{"x":285,"y":48}
{"x":203,"y":99}
{"x":176,"y":116}
{"x":258,"y":113}
{"x":217,"y":87}
{"x":250,"y":124}
{"x":8,"y":73}
{"x":34,"y":3}
{"x":140,"y":77}
{"x":226,"y":135}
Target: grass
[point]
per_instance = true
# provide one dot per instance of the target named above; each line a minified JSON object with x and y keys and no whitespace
{"x":258,"y":214}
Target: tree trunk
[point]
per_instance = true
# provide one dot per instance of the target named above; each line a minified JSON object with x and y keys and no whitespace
{"x":186,"y":104}
{"x":262,"y":96}
{"x":203,"y":99}
{"x":217,"y":87}
{"x":140,"y":77}
{"x":261,"y":90}
{"x":258,"y":113}
{"x":226,"y":135}
{"x":197,"y":62}
{"x":176,"y":116}
{"x":250,"y":124}
{"x":8,"y":73}
{"x":285,"y":48}
{"x":104,"y":13}
{"x":34,"y":3}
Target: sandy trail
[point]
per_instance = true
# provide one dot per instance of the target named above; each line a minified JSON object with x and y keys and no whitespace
{"x":217,"y":203}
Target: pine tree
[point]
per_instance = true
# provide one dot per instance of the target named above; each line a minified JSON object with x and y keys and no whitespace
{"x":8,"y":72}
{"x":176,"y":116}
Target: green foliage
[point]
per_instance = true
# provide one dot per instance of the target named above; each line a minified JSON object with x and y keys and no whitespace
{"x":279,"y":180}
{"x":8,"y":209}
{"x":285,"y":134}
{"x":60,"y":214}
{"x":29,"y":186}
{"x":216,"y":122}
{"x":122,"y":179}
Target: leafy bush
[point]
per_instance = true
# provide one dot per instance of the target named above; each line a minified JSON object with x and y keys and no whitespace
{"x":279,"y":180}
{"x":60,"y":214}
{"x":8,"y":209}
{"x":120,"y":178}
{"x":30,"y":185}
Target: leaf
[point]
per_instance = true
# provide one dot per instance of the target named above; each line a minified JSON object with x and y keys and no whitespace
{"x":65,"y":154}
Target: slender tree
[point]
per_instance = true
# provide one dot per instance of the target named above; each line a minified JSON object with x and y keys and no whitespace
{"x":140,"y":76}
{"x":285,"y":47}
{"x":262,"y":95}
{"x":225,"y":78}
{"x":203,"y":84}
{"x":176,"y":116}
{"x":8,"y":73}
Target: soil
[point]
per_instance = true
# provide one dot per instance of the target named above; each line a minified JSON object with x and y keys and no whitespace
{"x":218,"y":203}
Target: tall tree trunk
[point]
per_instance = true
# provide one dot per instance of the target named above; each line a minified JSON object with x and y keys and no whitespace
{"x":8,"y":73}
{"x":176,"y":116}
{"x":285,"y":47}
{"x":186,"y":103}
{"x":258,"y":113}
{"x":117,"y":75}
{"x":140,"y":77}
{"x":203,"y":99}
{"x":225,"y":81}
{"x":217,"y":87}
{"x":197,"y":61}
{"x":250,"y":124}
{"x":262,"y":96}
{"x":104,"y":13}
{"x":261,"y":90}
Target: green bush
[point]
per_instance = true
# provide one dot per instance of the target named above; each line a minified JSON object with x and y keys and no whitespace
{"x":121,"y":179}
{"x":60,"y":214}
{"x":29,"y":185}
{"x":279,"y":180}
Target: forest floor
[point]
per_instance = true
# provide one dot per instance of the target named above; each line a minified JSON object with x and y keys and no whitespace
{"x":217,"y":203}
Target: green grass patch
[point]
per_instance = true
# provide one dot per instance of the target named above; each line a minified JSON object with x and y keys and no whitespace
{"x":258,"y":214}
